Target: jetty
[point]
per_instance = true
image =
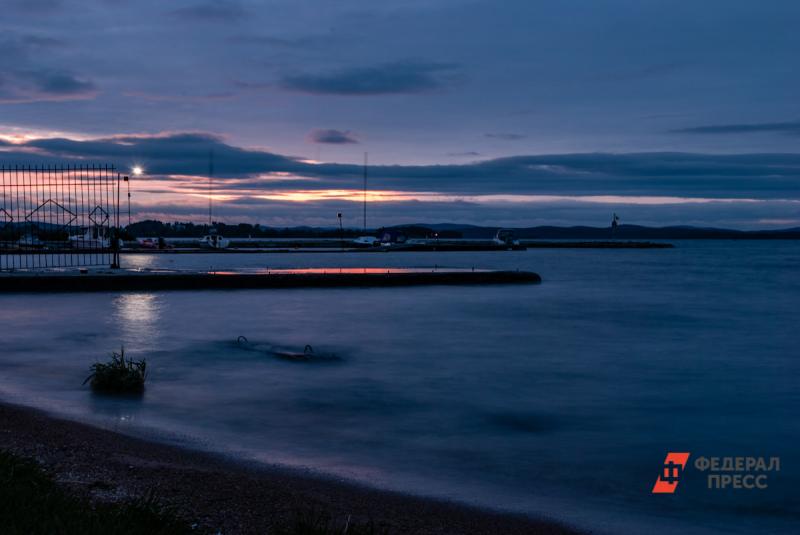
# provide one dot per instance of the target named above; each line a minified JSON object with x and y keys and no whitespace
{"x":121,"y":280}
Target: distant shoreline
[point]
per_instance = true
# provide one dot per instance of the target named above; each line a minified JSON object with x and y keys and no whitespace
{"x":244,"y":232}
{"x":421,"y":248}
{"x":228,"y":495}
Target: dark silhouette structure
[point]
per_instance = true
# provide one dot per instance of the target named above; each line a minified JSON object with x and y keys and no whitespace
{"x":59,"y":216}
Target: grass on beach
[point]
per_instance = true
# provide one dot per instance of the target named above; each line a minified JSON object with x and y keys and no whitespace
{"x":119,"y":376}
{"x":314,"y":522}
{"x":31,"y":503}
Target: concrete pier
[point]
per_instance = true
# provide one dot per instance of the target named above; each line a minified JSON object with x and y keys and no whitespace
{"x":123,"y":280}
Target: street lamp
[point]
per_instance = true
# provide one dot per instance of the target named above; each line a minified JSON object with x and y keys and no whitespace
{"x":136,"y":170}
{"x":128,"y":182}
{"x":341,"y":234}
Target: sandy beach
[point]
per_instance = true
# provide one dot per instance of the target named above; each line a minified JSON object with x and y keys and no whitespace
{"x":226,"y":496}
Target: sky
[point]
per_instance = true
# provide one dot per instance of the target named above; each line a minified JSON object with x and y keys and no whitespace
{"x":513,"y":113}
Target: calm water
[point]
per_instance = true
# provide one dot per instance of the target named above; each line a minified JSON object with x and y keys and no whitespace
{"x":558,"y":399}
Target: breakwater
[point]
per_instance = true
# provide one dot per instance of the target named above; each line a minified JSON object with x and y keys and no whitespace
{"x":122,"y":280}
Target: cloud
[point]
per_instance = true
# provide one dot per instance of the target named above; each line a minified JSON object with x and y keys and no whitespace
{"x":61,"y":84}
{"x":256,"y":185}
{"x":566,"y":213}
{"x":647,"y":71}
{"x":24,"y":79}
{"x":19,"y":51}
{"x":212,"y":11}
{"x":34,"y":5}
{"x":44,"y":85}
{"x":506,"y":137}
{"x":464,"y":154}
{"x":789,"y":127}
{"x":165,"y":97}
{"x":249,"y":171}
{"x":335,"y":137}
{"x":303,"y":42}
{"x":390,"y":78}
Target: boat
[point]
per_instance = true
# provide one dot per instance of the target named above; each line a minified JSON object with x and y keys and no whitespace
{"x":214,"y":241}
{"x":366,"y":241}
{"x":30,"y":241}
{"x":93,"y":238}
{"x":506,"y":237}
{"x":148,"y":243}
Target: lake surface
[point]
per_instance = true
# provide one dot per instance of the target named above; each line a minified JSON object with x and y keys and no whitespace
{"x":559,"y":399}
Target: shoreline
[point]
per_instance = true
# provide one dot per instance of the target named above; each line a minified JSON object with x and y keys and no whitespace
{"x":233,"y":497}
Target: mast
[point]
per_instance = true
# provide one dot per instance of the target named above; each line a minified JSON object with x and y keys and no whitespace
{"x":365,"y":193}
{"x":210,"y":184}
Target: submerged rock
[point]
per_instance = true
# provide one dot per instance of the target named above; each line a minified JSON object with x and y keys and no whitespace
{"x":308,"y":355}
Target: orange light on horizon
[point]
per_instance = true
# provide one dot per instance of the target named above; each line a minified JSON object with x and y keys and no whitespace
{"x":342,"y":195}
{"x":222,"y":197}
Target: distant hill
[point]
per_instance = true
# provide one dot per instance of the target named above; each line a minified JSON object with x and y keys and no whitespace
{"x":630,"y":232}
{"x":454,"y":230}
{"x":654,"y":233}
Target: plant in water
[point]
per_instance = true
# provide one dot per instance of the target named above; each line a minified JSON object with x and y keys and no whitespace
{"x":119,"y":376}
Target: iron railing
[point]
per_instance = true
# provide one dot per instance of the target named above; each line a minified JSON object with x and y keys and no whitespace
{"x":59,"y":216}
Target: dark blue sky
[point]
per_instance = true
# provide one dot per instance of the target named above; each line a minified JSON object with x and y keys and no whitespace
{"x":513,"y":112}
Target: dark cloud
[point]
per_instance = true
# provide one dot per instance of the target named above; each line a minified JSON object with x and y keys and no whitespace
{"x":19,"y":50}
{"x":302,"y":42}
{"x":648,"y":71}
{"x":181,"y":153}
{"x":565,"y":213}
{"x":24,"y":79}
{"x":464,"y":154}
{"x":36,"y":6}
{"x":253,"y":86}
{"x":214,"y":10}
{"x":62,"y":84}
{"x":335,"y":137}
{"x":637,"y":82}
{"x":389,"y":78}
{"x":757,"y":176}
{"x":789,"y":127}
{"x":40,"y":41}
{"x":164,"y":97}
{"x":35,"y":86}
{"x":506,"y":137}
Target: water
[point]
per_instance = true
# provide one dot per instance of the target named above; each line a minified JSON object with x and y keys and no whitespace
{"x":559,"y":399}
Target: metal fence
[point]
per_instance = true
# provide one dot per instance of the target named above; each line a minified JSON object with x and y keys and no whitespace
{"x":59,"y":216}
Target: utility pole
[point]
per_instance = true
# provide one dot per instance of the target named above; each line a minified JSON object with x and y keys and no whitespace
{"x":341,"y":233}
{"x":614,"y":224}
{"x":365,"y":194}
{"x":128,"y":182}
{"x":210,"y":185}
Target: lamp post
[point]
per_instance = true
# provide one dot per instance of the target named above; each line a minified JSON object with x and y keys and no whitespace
{"x":137,"y":170}
{"x":128,"y":183}
{"x":341,"y":234}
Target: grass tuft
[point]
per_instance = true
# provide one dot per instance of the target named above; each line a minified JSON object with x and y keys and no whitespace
{"x":119,"y":376}
{"x":31,"y":503}
{"x":316,"y":522}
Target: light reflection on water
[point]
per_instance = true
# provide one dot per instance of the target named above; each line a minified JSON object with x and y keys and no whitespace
{"x":137,"y":316}
{"x":137,"y":261}
{"x":344,"y":270}
{"x":560,"y":398}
